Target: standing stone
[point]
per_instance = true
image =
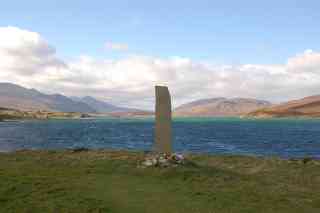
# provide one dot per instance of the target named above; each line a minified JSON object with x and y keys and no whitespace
{"x":163,"y":120}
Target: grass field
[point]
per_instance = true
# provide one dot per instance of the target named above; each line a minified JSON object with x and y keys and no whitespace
{"x":106,"y":181}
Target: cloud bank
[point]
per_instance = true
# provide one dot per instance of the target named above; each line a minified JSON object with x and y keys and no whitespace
{"x":29,"y":60}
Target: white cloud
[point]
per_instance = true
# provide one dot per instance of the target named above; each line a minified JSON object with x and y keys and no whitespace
{"x":116,"y":46}
{"x":27,"y":59}
{"x":25,"y":53}
{"x":309,"y":61}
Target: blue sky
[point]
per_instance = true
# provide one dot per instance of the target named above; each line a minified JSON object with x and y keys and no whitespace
{"x":233,"y":32}
{"x":118,"y":50}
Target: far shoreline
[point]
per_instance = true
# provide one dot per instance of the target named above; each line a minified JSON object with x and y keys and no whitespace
{"x":174,"y":119}
{"x":146,"y":152}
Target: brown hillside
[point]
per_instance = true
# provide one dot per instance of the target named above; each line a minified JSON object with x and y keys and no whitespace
{"x":305,"y":107}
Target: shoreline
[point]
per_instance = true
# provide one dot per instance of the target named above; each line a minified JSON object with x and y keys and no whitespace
{"x":246,"y":118}
{"x":146,"y":152}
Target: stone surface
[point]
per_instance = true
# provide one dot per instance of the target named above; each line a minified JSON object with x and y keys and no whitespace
{"x":162,"y":160}
{"x":163,"y":132}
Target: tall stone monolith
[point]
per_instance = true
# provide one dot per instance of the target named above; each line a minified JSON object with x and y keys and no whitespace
{"x":163,"y":132}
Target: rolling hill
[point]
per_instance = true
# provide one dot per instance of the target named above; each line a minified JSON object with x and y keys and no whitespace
{"x":305,"y":107}
{"x":220,"y":107}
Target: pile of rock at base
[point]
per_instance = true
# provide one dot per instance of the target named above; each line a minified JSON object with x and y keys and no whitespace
{"x":162,"y":160}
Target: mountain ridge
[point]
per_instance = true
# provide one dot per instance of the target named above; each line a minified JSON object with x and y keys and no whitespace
{"x":305,"y":107}
{"x":13,"y":96}
{"x":102,"y":106}
{"x":220,"y":106}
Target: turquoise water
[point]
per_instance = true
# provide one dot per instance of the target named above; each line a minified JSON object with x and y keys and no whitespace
{"x":274,"y":137}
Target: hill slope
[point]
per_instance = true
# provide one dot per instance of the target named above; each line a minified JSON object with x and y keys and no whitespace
{"x":220,"y":107}
{"x":16,"y":97}
{"x":305,"y":107}
{"x":103,"y":107}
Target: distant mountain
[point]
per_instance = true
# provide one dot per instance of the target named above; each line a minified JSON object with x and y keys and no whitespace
{"x":16,"y":97}
{"x":220,"y":107}
{"x":103,"y":107}
{"x":305,"y":107}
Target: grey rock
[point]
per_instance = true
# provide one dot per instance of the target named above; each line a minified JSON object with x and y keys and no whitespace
{"x":162,"y":160}
{"x":163,"y":132}
{"x":147,"y":163}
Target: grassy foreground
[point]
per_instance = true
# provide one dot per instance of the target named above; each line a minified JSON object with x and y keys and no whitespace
{"x":106,"y":181}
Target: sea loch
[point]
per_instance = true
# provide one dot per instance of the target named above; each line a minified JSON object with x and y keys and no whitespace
{"x":285,"y":138}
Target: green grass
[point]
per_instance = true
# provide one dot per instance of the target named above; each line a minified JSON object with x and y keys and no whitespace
{"x":106,"y":181}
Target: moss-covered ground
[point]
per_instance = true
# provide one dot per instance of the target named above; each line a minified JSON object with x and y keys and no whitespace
{"x":109,"y":181}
